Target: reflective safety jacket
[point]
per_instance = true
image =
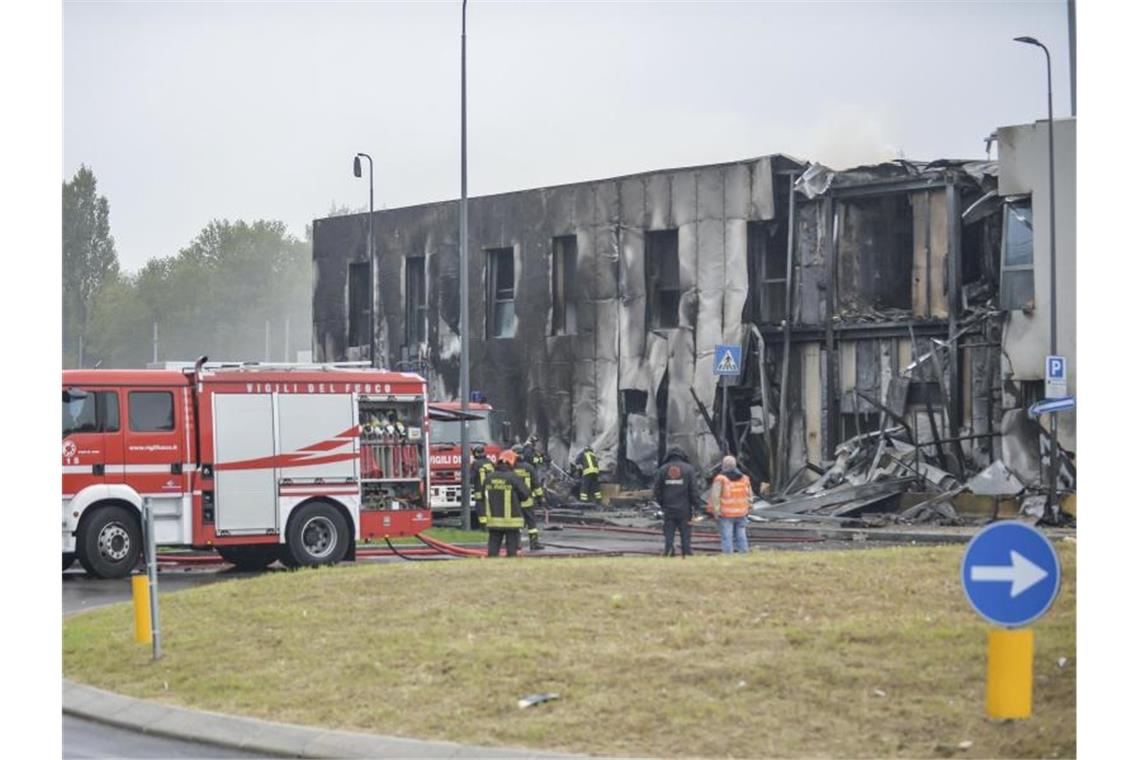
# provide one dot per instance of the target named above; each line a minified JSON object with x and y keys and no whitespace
{"x":533,"y":456}
{"x":529,"y":477}
{"x":735,"y":494}
{"x":588,"y":462}
{"x":503,"y":494}
{"x":480,"y":468}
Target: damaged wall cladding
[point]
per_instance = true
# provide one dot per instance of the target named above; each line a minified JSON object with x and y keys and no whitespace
{"x":606,"y":358}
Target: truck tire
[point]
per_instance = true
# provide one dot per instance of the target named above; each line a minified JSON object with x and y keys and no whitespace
{"x":256,"y":557}
{"x":68,"y":559}
{"x":110,"y":542}
{"x":317,"y":535}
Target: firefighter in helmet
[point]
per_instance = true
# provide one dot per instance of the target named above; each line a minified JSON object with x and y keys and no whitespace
{"x":503,"y":495}
{"x":527,"y":473}
{"x":481,"y":466}
{"x":589,"y":490}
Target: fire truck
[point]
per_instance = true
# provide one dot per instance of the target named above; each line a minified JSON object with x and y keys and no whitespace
{"x":259,"y":462}
{"x":445,"y":451}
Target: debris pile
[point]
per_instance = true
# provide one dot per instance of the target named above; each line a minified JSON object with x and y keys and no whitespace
{"x":871,"y":471}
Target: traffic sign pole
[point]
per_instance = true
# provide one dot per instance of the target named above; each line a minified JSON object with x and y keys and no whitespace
{"x":1009,"y":673}
{"x":1011,"y":574}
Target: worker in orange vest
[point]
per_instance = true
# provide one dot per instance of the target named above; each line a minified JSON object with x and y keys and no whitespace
{"x":730,"y":500}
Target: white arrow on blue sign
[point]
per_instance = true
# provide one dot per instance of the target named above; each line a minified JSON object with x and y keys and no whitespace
{"x":1053,"y":405}
{"x":1010,"y":574}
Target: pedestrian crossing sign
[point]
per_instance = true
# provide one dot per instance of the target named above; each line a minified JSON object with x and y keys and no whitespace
{"x":726,"y":360}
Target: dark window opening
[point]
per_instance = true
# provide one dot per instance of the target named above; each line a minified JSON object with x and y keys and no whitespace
{"x":1017,"y":256}
{"x":359,"y":304}
{"x":767,"y":271}
{"x":563,"y":285}
{"x":634,"y":401}
{"x":852,"y":425}
{"x":876,"y":252}
{"x":415,"y":300}
{"x":662,"y":279}
{"x":501,"y":321}
{"x":150,"y":411}
{"x":1032,"y":391}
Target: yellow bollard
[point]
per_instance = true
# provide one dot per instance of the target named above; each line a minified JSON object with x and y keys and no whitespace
{"x":1009,"y":673}
{"x":140,"y":591}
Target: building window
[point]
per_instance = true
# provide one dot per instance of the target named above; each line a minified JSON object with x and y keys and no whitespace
{"x":1017,"y":256}
{"x":415,"y":300}
{"x":359,"y":303}
{"x":767,"y":270}
{"x":563,"y":285}
{"x":662,"y":280}
{"x":501,"y":320}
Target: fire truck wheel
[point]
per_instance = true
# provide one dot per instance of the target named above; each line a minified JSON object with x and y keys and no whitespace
{"x":110,"y":543}
{"x":317,"y":535}
{"x":68,"y":559}
{"x":248,"y":557}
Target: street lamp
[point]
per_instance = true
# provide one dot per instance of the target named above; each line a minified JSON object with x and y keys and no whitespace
{"x":464,"y":338}
{"x":371,"y":259}
{"x":1051,"y":500}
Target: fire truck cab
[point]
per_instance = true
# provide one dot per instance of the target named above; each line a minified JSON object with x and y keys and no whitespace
{"x":484,"y":425}
{"x":259,"y":462}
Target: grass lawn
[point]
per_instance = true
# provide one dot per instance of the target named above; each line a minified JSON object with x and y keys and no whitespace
{"x":855,"y":654}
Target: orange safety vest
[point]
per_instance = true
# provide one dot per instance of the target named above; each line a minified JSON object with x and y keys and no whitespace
{"x":735,"y":496}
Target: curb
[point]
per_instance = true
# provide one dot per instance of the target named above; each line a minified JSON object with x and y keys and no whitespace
{"x":261,"y":736}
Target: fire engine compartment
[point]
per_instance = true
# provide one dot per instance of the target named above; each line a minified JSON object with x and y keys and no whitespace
{"x":393,"y":454}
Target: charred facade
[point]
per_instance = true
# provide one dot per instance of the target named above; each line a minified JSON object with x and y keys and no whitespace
{"x":864,"y":299}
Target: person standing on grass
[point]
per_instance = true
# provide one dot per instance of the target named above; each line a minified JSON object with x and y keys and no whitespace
{"x":676,"y":492}
{"x":503,"y":495}
{"x":730,"y":501}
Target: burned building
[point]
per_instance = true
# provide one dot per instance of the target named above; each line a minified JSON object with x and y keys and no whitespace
{"x":864,"y":299}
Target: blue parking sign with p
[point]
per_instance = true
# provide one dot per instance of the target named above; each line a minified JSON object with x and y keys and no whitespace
{"x":1056,"y":366}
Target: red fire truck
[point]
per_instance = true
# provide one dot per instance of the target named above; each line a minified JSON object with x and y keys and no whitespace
{"x":260,"y":462}
{"x":445,"y":450}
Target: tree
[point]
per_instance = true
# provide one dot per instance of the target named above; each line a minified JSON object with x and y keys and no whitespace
{"x":89,"y":258}
{"x":214,"y":298}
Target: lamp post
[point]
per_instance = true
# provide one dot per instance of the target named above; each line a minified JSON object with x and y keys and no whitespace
{"x":464,"y":338}
{"x":371,"y":260}
{"x":1051,"y":508}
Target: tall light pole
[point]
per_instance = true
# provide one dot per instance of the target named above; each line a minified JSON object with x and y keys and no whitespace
{"x":371,"y":261}
{"x":1051,"y":499}
{"x":464,"y":338}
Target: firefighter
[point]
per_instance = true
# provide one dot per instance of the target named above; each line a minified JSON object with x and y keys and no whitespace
{"x":676,"y":491}
{"x":531,"y":454}
{"x":481,"y":466}
{"x":589,"y":492}
{"x":503,"y":494}
{"x":529,"y":475}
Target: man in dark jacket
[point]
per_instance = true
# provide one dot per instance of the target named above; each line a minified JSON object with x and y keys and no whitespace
{"x":676,"y":491}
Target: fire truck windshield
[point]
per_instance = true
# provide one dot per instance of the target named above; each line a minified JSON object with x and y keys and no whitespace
{"x":478,"y":431}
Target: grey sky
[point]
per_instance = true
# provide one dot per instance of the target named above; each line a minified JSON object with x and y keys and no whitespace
{"x":194,"y":111}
